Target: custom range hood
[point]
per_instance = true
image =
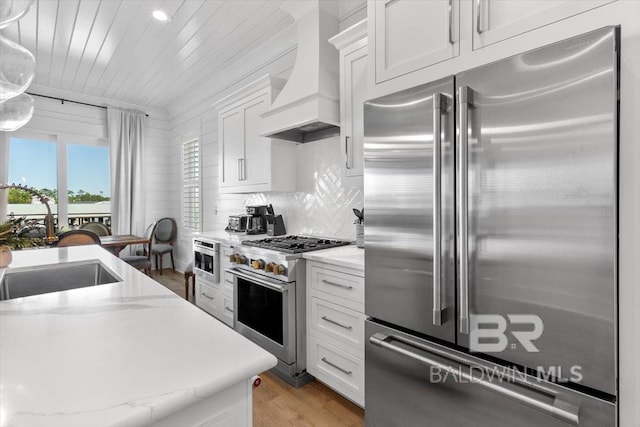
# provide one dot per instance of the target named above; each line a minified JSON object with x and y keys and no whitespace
{"x":308,"y":107}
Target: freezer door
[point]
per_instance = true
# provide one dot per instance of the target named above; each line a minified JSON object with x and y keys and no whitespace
{"x":409,"y":209}
{"x":413,"y":382}
{"x":537,"y":209}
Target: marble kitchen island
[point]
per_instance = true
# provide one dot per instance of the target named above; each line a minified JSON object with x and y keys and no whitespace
{"x":123,"y":354}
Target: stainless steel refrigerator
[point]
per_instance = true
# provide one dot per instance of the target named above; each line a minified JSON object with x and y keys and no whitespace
{"x":490,"y":243}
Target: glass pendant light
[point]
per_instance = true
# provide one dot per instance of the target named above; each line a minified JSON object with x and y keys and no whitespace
{"x":15,"y":112}
{"x":12,"y":10}
{"x":17,"y":69}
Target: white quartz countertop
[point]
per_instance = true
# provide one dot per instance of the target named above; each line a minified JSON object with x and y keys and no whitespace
{"x":346,"y":256}
{"x":122,"y":354}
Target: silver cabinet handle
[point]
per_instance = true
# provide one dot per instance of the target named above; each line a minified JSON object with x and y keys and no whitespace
{"x":326,"y":319}
{"x":333,"y":365}
{"x":465,"y":98}
{"x":450,"y":21}
{"x":207,"y":296}
{"x":239,"y":169}
{"x":348,"y":153}
{"x":228,"y":309}
{"x":438,"y":101}
{"x":478,"y":14}
{"x":337,"y":284}
{"x":560,"y":409}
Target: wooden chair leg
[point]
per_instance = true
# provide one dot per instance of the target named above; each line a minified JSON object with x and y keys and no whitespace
{"x":186,"y":287}
{"x":161,"y":267}
{"x":194,"y":286}
{"x":173,"y":267}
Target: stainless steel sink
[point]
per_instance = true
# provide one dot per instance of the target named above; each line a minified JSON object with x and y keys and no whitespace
{"x":53,"y":278}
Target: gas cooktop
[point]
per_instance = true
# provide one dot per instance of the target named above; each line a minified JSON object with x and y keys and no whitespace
{"x":295,"y":244}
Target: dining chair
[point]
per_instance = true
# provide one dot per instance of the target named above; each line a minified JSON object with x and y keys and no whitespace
{"x":97,"y":227}
{"x":143,"y":261}
{"x":164,"y":236}
{"x":77,"y":238}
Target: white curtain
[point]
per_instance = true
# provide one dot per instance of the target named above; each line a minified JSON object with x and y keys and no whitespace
{"x":126,"y":135}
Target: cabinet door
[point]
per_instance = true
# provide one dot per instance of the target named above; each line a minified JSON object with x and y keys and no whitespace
{"x":410,"y":35}
{"x":256,"y":167}
{"x":496,"y":20}
{"x":231,"y":147}
{"x":354,"y":94}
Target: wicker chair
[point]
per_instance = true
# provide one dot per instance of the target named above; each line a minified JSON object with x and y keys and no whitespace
{"x":143,"y":262}
{"x":77,"y":238}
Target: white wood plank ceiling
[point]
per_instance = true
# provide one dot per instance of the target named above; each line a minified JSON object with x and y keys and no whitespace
{"x":114,"y":49}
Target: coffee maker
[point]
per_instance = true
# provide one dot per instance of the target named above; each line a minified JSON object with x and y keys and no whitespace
{"x":256,"y":221}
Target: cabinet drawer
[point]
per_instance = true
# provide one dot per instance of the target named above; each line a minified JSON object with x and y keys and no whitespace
{"x":342,"y":285}
{"x":341,"y":371}
{"x":227,"y":282}
{"x":338,"y":323}
{"x":209,"y":299}
{"x":227,"y":309}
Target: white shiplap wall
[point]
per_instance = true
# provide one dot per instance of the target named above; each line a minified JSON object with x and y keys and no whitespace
{"x":194,"y":116}
{"x":80,"y":123}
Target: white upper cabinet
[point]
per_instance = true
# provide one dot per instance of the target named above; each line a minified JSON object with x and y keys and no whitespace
{"x":496,"y":20}
{"x":249,"y":162}
{"x":408,"y":35}
{"x":232,"y":146}
{"x":352,"y":44}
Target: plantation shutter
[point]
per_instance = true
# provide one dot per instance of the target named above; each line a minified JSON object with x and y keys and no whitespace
{"x":191,"y":185}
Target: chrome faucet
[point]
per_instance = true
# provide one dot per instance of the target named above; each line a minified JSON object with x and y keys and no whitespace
{"x":48,"y":219}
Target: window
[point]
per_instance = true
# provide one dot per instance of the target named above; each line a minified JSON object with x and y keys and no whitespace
{"x":32,"y":163}
{"x":75,"y":177}
{"x":191,"y":185}
{"x":88,"y":184}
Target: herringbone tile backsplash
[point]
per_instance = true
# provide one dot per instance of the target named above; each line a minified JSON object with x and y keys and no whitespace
{"x":323,"y":206}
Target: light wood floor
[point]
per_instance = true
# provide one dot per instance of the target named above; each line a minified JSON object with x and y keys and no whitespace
{"x":277,"y":404}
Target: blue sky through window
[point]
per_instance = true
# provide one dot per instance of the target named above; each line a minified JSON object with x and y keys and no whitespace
{"x":34,"y":163}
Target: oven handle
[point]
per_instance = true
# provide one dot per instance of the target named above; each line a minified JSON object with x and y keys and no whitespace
{"x":262,"y":282}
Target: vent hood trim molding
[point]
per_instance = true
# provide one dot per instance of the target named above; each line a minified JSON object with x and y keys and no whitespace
{"x":310,"y":100}
{"x":266,"y":81}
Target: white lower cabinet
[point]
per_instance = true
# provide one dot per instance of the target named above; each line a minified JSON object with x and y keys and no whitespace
{"x":340,"y":370}
{"x":335,"y":328}
{"x":227,"y":308}
{"x":209,"y":298}
{"x":217,"y":298}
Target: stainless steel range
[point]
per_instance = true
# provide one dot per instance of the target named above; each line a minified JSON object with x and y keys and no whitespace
{"x":269,"y":298}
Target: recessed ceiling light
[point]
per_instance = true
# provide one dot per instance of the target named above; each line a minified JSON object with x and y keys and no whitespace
{"x":160,"y":15}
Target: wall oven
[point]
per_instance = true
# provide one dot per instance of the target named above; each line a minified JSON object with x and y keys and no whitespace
{"x":206,"y":260}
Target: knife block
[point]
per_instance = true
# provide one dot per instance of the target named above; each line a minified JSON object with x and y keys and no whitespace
{"x":275,"y":225}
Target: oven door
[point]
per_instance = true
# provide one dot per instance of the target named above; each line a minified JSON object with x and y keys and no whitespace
{"x":206,"y":262}
{"x":264,"y":312}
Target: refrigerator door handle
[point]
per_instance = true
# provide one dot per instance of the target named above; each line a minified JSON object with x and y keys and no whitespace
{"x":451,"y":22}
{"x":465,"y":98}
{"x":478,"y":17}
{"x":560,"y":409}
{"x":439,"y":108}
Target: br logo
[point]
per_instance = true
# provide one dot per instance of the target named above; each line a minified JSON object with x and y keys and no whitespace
{"x":488,"y":332}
